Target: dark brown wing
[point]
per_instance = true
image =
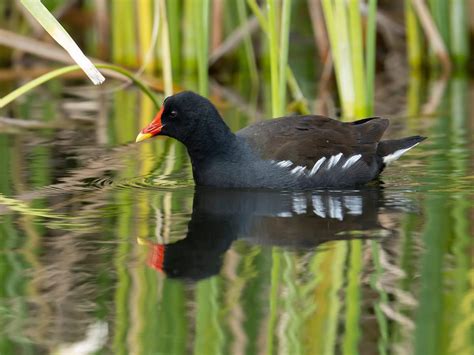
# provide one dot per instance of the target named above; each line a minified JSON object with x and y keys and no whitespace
{"x":305,"y":139}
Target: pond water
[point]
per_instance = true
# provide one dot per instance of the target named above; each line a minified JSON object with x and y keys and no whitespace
{"x":107,"y":247}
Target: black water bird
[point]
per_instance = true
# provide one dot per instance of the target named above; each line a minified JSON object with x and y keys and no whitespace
{"x":297,"y":152}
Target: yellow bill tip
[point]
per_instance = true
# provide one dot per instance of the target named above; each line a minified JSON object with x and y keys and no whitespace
{"x":142,"y":241}
{"x":142,"y":137}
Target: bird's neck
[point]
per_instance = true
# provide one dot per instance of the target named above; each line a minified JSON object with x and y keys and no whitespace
{"x":209,"y":144}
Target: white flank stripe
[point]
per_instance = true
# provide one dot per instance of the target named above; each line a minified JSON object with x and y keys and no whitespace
{"x":317,"y":165}
{"x":284,"y":163}
{"x":284,"y":214}
{"x":397,"y":154}
{"x":351,"y":161}
{"x":318,"y":206}
{"x":298,"y":170}
{"x":333,"y":161}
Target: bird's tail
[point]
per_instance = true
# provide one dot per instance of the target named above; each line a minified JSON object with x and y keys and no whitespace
{"x":391,"y":150}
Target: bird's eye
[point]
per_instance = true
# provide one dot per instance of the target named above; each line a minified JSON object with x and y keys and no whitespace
{"x":173,"y":114}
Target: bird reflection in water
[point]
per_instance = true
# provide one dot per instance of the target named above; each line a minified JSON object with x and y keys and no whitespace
{"x":291,"y":220}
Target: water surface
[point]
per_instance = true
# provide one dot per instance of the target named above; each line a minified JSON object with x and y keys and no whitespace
{"x":108,"y":247}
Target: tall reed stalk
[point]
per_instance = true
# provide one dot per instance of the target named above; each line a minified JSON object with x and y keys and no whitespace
{"x":414,"y":37}
{"x":336,"y":22}
{"x":144,"y":12}
{"x":439,"y":9}
{"x":123,"y":33}
{"x":166,"y":55}
{"x":459,"y":32}
{"x":174,"y":15}
{"x":370,"y":54}
{"x":283,"y":55}
{"x":54,"y":28}
{"x":201,"y":22}
{"x":354,"y":65}
{"x":248,"y":46}
{"x":357,"y":56}
{"x":274,"y":62}
{"x":278,"y":50}
{"x":292,"y":83}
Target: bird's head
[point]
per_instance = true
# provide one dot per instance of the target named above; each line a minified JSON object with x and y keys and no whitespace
{"x":181,"y":116}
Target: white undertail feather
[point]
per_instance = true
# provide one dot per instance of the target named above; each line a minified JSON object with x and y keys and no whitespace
{"x":397,"y":154}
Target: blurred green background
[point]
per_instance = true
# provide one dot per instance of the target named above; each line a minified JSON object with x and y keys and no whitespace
{"x":82,"y":208}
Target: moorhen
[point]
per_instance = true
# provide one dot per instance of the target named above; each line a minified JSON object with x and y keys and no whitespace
{"x":297,"y":152}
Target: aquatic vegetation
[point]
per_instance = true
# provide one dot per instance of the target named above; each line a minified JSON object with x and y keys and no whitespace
{"x":54,"y":28}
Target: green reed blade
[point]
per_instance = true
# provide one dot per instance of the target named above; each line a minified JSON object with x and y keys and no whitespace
{"x":61,"y":71}
{"x":60,"y":35}
{"x":201,"y":23}
{"x":123,"y":33}
{"x":357,"y":57}
{"x":248,"y":47}
{"x":166,"y":50}
{"x":283,"y":55}
{"x":292,"y":82}
{"x":259,"y":15}
{"x":336,"y":18}
{"x":344,"y":51}
{"x":414,"y":37}
{"x":144,"y":24}
{"x":370,"y":55}
{"x":439,"y":11}
{"x":174,"y":15}
{"x":459,"y":32}
{"x":273,"y":47}
{"x":190,"y":41}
